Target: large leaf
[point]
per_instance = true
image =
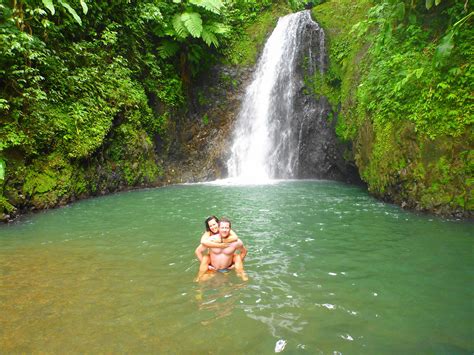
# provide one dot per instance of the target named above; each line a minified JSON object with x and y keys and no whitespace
{"x":193,"y":23}
{"x":429,"y":4}
{"x":71,"y":11}
{"x":179,"y":26}
{"x":210,"y":5}
{"x":209,"y":38}
{"x":168,"y":49}
{"x":446,"y":46}
{"x":84,"y":7}
{"x":49,"y":5}
{"x":2,"y":170}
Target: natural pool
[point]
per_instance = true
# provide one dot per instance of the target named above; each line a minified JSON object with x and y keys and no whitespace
{"x":331,"y":270}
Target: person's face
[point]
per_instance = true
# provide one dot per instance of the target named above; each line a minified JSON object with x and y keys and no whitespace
{"x":213,"y":226}
{"x":224,"y":229}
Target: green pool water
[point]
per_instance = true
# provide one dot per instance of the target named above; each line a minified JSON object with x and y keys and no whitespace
{"x":331,"y":270}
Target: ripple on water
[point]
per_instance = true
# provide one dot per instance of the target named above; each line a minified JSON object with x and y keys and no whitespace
{"x":114,"y":274}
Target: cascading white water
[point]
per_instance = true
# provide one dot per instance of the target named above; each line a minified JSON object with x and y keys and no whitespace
{"x":266,"y":140}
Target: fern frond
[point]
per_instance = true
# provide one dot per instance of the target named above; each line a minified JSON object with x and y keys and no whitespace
{"x":193,"y":23}
{"x":210,"y":5}
{"x":196,"y":53}
{"x":209,"y":38}
{"x":168,"y":49}
{"x":179,"y":26}
{"x":218,"y":28}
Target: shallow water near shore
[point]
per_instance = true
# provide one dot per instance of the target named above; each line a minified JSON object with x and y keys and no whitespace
{"x":331,"y":270}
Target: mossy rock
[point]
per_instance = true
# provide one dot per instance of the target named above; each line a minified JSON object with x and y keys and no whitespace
{"x":48,"y":181}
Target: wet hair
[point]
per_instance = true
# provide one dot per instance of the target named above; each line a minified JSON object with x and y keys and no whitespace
{"x":225,"y":220}
{"x":208,"y":219}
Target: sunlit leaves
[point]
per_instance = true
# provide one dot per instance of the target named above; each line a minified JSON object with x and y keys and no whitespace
{"x":72,"y":12}
{"x":179,"y":26}
{"x":49,"y":5}
{"x":151,"y":12}
{"x":214,"y":6}
{"x":429,"y":3}
{"x":193,"y":23}
{"x":2,"y":169}
{"x":217,"y":28}
{"x":84,"y":7}
{"x":209,"y":37}
{"x":209,"y":33}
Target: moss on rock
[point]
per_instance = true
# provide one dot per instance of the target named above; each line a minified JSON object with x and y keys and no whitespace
{"x":408,"y":119}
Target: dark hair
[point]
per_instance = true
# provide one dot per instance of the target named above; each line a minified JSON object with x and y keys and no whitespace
{"x":208,"y":219}
{"x":225,"y":220}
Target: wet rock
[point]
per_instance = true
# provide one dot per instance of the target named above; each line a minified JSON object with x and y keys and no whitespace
{"x":199,"y":154}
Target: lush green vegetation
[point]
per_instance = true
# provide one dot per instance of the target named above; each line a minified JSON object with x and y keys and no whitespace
{"x":402,"y":74}
{"x":91,"y":91}
{"x":89,"y":88}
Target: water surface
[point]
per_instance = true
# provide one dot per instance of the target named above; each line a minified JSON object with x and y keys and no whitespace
{"x":331,"y":270}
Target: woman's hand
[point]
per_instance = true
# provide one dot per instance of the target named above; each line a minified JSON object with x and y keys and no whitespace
{"x":208,"y":244}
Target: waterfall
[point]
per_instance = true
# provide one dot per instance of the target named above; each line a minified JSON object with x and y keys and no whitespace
{"x":268,"y":133}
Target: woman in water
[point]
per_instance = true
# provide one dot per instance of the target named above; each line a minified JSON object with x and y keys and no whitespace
{"x":211,"y":239}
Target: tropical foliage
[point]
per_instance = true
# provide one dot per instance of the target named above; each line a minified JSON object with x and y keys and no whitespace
{"x":402,"y":73}
{"x":89,"y":88}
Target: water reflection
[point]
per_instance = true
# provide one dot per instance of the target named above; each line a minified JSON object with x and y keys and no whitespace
{"x":218,"y":297}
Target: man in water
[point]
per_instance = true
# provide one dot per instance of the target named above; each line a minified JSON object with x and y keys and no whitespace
{"x":226,"y":259}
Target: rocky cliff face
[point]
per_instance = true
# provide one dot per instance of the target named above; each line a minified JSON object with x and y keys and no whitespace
{"x":321,"y":153}
{"x":200,"y":146}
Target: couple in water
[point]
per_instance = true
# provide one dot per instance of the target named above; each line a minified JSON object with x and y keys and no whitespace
{"x":226,"y":250}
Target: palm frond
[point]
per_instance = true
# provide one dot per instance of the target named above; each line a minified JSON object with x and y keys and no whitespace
{"x":209,"y":38}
